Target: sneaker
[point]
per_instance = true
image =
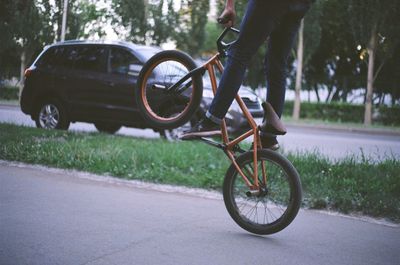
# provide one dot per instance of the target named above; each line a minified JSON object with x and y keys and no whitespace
{"x":204,"y":128}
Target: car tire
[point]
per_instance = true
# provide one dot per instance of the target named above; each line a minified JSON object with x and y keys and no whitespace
{"x":109,"y":128}
{"x":51,"y":114}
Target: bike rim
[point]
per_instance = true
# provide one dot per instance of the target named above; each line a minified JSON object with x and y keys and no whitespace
{"x":145,"y":87}
{"x":271,"y":203}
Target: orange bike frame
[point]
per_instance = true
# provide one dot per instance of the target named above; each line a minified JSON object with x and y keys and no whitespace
{"x":230,"y":144}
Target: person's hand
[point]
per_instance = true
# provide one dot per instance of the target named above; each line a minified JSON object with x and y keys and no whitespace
{"x":227,"y":18}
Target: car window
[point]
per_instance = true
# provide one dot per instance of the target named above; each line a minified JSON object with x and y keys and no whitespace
{"x":91,"y":58}
{"x":52,"y":57}
{"x":123,"y":62}
{"x":88,"y":57}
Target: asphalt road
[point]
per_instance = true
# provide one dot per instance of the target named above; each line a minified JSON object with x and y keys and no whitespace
{"x":333,"y":144}
{"x":57,"y":217}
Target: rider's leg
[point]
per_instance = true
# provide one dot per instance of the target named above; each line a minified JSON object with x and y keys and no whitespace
{"x":261,"y":17}
{"x":279,"y":46}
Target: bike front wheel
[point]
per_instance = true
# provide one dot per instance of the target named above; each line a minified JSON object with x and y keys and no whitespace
{"x":275,"y":205}
{"x":167,"y":86}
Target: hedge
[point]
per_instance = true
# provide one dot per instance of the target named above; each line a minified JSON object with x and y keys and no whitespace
{"x":9,"y":92}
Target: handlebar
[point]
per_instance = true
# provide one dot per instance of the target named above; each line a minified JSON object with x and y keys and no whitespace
{"x":221,"y":45}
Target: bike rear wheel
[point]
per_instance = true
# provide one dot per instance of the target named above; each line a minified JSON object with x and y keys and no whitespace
{"x":275,"y":205}
{"x":158,"y":94}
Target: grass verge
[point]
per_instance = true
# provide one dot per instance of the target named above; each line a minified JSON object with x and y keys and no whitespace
{"x":9,"y":102}
{"x":347,"y":185}
{"x":341,"y":125}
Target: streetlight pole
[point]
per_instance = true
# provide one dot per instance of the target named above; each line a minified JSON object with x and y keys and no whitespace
{"x":64,"y":20}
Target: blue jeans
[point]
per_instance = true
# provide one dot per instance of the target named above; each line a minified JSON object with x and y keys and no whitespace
{"x":277,"y":19}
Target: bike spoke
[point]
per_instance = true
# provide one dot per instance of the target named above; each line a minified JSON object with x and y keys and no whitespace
{"x":258,"y":207}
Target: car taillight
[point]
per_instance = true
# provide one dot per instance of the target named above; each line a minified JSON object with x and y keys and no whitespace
{"x":28,"y":72}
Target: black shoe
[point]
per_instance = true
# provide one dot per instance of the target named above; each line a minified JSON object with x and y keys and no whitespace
{"x":204,"y":128}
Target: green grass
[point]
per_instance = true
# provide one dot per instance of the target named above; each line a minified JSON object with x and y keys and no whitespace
{"x":347,"y":185}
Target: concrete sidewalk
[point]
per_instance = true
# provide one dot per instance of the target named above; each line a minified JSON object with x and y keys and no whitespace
{"x":64,"y":217}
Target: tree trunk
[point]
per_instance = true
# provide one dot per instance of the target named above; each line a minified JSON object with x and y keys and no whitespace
{"x":345,"y":90}
{"x":300,"y":50}
{"x":336,"y":95}
{"x":22,"y":69}
{"x":316,"y":93}
{"x":330,"y":88}
{"x":64,"y":20}
{"x":370,"y":79}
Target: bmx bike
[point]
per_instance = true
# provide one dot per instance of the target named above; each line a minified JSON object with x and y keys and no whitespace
{"x":261,"y":189}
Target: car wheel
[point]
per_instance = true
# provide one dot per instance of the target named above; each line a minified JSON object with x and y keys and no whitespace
{"x":51,"y":114}
{"x":110,"y":128}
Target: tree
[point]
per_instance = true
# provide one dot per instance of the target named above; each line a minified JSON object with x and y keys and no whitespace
{"x":31,"y":29}
{"x":309,"y":39}
{"x":164,"y":22}
{"x":133,"y":15}
{"x":28,"y":25}
{"x":84,"y":19}
{"x":87,"y":20}
{"x":299,"y":72}
{"x":8,"y":60}
{"x":212,"y":31}
{"x":147,"y":22}
{"x":388,"y":82}
{"x":374,"y":28}
{"x":335,"y":64}
{"x":192,"y":20}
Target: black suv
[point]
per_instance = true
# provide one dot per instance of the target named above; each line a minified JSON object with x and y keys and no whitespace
{"x":94,"y":82}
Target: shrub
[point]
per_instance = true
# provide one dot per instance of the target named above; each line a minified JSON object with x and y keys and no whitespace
{"x":389,"y":115}
{"x":9,"y":92}
{"x":344,"y":112}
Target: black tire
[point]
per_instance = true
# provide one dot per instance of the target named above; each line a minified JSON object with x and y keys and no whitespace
{"x":107,"y":127}
{"x":51,"y":114}
{"x":151,"y":95}
{"x":282,"y":189}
